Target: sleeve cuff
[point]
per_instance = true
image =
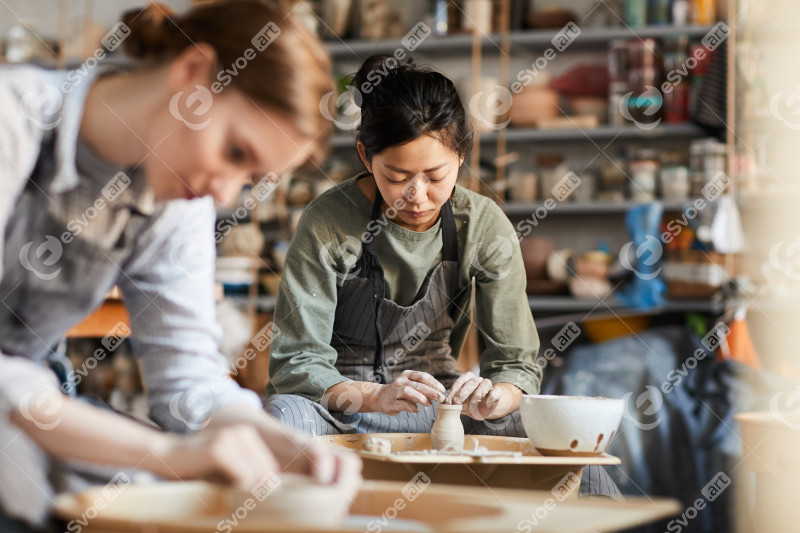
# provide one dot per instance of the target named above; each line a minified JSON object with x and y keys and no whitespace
{"x":527,"y":384}
{"x":190,"y":409}
{"x":312,"y":385}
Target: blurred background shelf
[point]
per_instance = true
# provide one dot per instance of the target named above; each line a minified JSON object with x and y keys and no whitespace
{"x":687,"y":130}
{"x":550,"y":304}
{"x":569,"y":304}
{"x":263,"y":303}
{"x":515,"y":209}
{"x":531,"y":39}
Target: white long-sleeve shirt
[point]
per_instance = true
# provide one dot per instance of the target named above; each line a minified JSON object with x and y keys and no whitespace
{"x":166,"y":277}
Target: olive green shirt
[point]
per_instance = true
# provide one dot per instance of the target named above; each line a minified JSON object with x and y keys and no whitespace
{"x":323,"y":254}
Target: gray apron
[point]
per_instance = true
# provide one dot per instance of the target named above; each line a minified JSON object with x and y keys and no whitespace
{"x":376,"y":339}
{"x":39,"y":291}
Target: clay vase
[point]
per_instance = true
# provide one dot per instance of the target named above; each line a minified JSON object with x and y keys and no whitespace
{"x":447,"y":433}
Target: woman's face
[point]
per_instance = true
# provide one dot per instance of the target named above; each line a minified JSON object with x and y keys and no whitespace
{"x":213,"y":144}
{"x":416,"y":178}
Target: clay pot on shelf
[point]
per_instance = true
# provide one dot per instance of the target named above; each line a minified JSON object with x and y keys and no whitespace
{"x":534,"y":104}
{"x":335,"y":16}
{"x":550,"y":17}
{"x":522,"y":186}
{"x":592,"y":106}
{"x":534,"y":255}
{"x":447,"y":433}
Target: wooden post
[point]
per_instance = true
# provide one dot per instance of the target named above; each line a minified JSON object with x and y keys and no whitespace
{"x":474,"y":162}
{"x":730,"y":118}
{"x":63,"y":8}
{"x":505,"y":60}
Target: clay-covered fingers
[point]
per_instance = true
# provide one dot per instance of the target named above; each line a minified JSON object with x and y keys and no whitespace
{"x":406,"y":405}
{"x":238,"y":455}
{"x":409,"y":390}
{"x":348,"y":474}
{"x":419,"y":392}
{"x":399,"y":396}
{"x":426,"y":384}
{"x":480,"y":393}
{"x":333,"y":466}
{"x":463,"y":387}
{"x":406,"y":401}
{"x":321,"y":462}
{"x":486,"y":407}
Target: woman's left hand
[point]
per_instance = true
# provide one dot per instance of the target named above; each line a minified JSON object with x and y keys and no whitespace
{"x":478,"y":395}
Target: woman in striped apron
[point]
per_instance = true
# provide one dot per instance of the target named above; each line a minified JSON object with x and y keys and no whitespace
{"x":375,"y":300}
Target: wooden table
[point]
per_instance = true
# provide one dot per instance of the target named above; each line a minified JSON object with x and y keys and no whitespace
{"x":528,"y":470}
{"x":198,"y":507}
{"x":102,"y":320}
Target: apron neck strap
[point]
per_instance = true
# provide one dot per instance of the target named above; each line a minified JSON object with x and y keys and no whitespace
{"x":375,"y":274}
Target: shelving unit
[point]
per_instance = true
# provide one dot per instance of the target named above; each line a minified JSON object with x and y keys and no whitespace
{"x":561,"y":304}
{"x":527,"y":42}
{"x":530,"y":39}
{"x":530,"y":43}
{"x":569,"y":304}
{"x":581,"y":208}
{"x":601,"y":133}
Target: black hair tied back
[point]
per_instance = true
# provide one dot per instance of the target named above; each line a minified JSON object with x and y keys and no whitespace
{"x":403,"y":101}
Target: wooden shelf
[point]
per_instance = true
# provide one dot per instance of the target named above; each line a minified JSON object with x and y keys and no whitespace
{"x":263,"y":303}
{"x":589,"y":38}
{"x":687,"y":130}
{"x":583,"y":208}
{"x":102,"y":321}
{"x":565,"y":304}
{"x":570,"y":304}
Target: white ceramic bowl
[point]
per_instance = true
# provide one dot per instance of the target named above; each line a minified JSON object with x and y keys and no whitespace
{"x":570,"y":425}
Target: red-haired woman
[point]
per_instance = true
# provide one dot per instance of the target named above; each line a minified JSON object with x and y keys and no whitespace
{"x":109,"y":178}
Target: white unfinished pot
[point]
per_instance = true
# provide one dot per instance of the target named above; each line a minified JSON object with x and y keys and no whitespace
{"x":447,"y":433}
{"x":570,"y":425}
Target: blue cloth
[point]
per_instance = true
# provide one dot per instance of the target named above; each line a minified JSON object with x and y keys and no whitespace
{"x":682,"y":434}
{"x":646,"y":289}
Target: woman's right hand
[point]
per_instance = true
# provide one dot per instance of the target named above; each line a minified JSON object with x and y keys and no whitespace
{"x":406,"y":391}
{"x":234,"y":454}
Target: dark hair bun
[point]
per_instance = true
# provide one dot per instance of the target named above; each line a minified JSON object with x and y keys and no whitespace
{"x":401,"y":101}
{"x":380,"y":66}
{"x":153,"y":30}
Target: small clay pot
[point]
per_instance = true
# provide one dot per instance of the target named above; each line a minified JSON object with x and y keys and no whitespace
{"x":534,"y":255}
{"x":447,"y":433}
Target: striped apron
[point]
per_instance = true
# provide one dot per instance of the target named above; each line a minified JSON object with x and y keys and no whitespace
{"x":376,"y":340}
